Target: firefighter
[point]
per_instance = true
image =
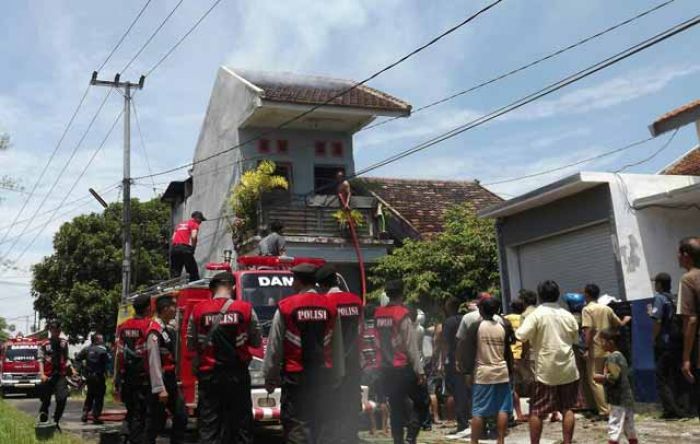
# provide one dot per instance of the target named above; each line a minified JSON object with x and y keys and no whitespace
{"x":53,"y":367}
{"x":184,"y":242}
{"x":95,"y":358}
{"x":131,"y":379}
{"x":304,"y":357}
{"x":348,"y":397}
{"x":401,"y":366}
{"x":165,"y":394}
{"x":220,"y":332}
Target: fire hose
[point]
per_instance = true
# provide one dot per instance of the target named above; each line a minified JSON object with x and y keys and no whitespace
{"x":345,"y":202}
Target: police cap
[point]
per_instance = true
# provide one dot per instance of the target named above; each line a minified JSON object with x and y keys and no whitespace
{"x":222,"y":278}
{"x":141,"y":301}
{"x":305,"y":272}
{"x":327,"y":274}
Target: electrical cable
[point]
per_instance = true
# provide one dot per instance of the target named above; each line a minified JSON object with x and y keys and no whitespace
{"x":75,"y":183}
{"x":152,"y":36}
{"x":526,"y":66}
{"x":337,"y":95}
{"x":654,"y":154}
{"x":128,"y":30}
{"x":556,"y":86}
{"x":563,"y":167}
{"x":143,"y":145}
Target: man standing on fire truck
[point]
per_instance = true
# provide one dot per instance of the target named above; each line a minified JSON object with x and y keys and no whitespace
{"x":347,"y":399}
{"x":401,"y":365}
{"x":53,"y":366}
{"x":184,"y":242}
{"x":165,"y":394}
{"x":220,"y":331}
{"x":305,"y":357}
{"x":131,"y":379}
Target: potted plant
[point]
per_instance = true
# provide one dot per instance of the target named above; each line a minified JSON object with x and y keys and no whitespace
{"x":343,"y":217}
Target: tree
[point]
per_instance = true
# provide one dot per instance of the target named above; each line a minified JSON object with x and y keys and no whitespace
{"x":4,"y":334}
{"x":461,"y":260}
{"x":80,"y":283}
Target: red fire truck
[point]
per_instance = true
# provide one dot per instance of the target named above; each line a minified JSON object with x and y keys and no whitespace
{"x":19,"y":365}
{"x":261,"y":280}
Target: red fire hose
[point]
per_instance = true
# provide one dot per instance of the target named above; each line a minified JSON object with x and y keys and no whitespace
{"x":345,"y":202}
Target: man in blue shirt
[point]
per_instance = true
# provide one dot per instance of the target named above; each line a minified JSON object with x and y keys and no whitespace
{"x":667,"y":348}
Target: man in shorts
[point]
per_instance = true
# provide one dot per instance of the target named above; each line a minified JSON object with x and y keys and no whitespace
{"x":552,"y":332}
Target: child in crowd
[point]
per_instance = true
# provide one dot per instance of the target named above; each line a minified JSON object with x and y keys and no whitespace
{"x":517,"y":307}
{"x":618,"y":389}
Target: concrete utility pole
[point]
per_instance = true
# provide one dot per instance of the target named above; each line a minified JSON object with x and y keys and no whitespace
{"x":126,"y":182}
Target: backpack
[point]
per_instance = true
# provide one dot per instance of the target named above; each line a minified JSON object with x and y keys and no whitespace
{"x":675,"y":324}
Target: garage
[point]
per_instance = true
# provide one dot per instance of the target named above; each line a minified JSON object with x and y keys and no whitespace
{"x":573,"y":259}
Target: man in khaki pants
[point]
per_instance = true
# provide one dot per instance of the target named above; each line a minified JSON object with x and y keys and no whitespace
{"x":596,"y":317}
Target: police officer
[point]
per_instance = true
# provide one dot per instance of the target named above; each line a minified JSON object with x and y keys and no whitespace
{"x":347,"y":399}
{"x":220,"y":331}
{"x":53,"y":366}
{"x":304,"y":357}
{"x":95,"y":358}
{"x":165,"y":394}
{"x":131,"y":379}
{"x":401,"y":365}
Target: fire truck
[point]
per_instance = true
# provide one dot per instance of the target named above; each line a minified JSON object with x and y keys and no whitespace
{"x":261,"y":280}
{"x":19,"y":365}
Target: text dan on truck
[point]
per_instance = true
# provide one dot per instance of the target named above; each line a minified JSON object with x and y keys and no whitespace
{"x":261,"y":280}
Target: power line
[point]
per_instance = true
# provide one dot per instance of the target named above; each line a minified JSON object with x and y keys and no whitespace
{"x":527,"y":65}
{"x":60,"y":174}
{"x":339,"y":94}
{"x":75,"y":183}
{"x":182,"y":39}
{"x":143,"y":145}
{"x":152,"y":36}
{"x":556,"y":86}
{"x":569,"y":165}
{"x":654,"y":154}
{"x":128,"y":30}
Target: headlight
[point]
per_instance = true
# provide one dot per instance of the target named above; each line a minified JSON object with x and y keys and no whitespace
{"x":256,"y":373}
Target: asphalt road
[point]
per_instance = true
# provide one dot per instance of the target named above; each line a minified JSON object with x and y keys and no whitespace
{"x":71,"y":422}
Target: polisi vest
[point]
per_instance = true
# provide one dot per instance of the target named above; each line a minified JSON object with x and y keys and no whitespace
{"x":131,"y":348}
{"x":166,"y":345}
{"x":54,"y":366}
{"x":226,"y":344}
{"x":349,"y":307}
{"x":309,"y":319}
{"x":392,"y":351}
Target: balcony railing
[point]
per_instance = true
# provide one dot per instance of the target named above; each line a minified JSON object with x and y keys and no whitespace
{"x":313,"y":215}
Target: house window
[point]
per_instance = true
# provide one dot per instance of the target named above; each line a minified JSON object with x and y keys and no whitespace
{"x":282,"y":147}
{"x":283,"y":169}
{"x":325,"y":178}
{"x":264,"y":146}
{"x":337,"y":149}
{"x":320,"y":148}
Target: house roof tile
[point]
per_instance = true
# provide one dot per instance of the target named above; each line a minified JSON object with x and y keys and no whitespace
{"x":423,"y":202}
{"x":315,"y":90}
{"x":688,"y":165}
{"x":676,"y":118}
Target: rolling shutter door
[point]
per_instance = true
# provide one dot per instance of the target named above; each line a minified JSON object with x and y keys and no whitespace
{"x":572,"y":259}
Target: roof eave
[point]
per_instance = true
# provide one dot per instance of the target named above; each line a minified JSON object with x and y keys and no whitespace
{"x":666,"y":124}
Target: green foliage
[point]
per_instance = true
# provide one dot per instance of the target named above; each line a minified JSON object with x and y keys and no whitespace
{"x":80,"y":283}
{"x":4,"y":335}
{"x":246,"y":194}
{"x":462,"y":259}
{"x":18,"y":428}
{"x":343,"y":217}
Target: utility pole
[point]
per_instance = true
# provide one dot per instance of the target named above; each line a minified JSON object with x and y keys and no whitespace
{"x":126,"y":182}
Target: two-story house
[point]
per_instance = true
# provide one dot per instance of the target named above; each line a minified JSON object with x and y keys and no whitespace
{"x":240,"y":129}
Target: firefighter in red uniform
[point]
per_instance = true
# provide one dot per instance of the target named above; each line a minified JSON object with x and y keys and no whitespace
{"x":131,"y":379}
{"x":184,"y":242}
{"x":347,"y":399}
{"x":304,"y":357}
{"x":220,"y":331}
{"x":165,"y":394}
{"x":53,"y":366}
{"x":401,"y":365}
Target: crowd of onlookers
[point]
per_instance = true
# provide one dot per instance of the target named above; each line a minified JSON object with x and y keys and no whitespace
{"x":566,"y":353}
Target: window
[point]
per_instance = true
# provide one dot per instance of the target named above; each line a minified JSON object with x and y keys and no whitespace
{"x":284,"y":170}
{"x":320,"y":148}
{"x":337,"y":149}
{"x":263,"y":146}
{"x":324,"y":178}
{"x":282,"y":147}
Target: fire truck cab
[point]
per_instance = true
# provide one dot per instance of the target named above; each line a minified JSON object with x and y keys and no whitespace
{"x":261,"y":280}
{"x":19,"y":365}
